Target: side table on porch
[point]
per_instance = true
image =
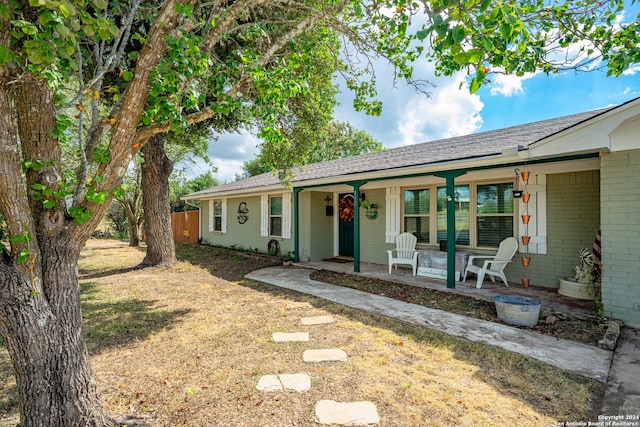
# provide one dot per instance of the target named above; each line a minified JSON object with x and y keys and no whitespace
{"x":433,"y":263}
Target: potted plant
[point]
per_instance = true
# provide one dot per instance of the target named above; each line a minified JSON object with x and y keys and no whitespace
{"x":288,"y":258}
{"x":371,"y":209}
{"x":585,"y":284}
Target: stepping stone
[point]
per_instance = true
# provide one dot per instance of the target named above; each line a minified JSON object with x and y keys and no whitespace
{"x":317,"y":320}
{"x":324,"y":355}
{"x":269,"y":383}
{"x":346,"y":413}
{"x":296,"y":304}
{"x":288,"y":382}
{"x":296,"y":382}
{"x":290,"y":337}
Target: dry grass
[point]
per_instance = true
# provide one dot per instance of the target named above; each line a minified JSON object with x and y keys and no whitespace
{"x":188,"y":345}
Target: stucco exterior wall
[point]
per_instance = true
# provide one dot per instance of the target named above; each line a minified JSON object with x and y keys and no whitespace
{"x":620,"y":188}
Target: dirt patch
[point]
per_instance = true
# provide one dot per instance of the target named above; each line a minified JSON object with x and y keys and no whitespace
{"x":584,"y":329}
{"x":188,"y":345}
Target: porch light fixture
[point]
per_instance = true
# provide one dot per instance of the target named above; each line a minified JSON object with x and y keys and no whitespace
{"x":517,"y":192}
{"x":328,"y":210}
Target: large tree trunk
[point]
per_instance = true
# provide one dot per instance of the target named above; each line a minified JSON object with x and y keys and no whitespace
{"x":133,"y":214}
{"x":156,"y":169}
{"x":134,"y":232}
{"x":40,"y":315}
{"x":43,"y":333}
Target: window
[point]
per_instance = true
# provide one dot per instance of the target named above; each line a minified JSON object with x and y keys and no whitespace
{"x":494,"y":213}
{"x":275,"y":216}
{"x":463,"y":217}
{"x":417,"y":205}
{"x":217,"y":215}
{"x":484,"y":214}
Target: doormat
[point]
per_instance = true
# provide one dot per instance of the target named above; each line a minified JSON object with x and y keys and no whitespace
{"x":338,"y":260}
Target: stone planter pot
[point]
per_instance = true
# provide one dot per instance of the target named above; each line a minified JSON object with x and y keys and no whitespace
{"x":570,"y":288}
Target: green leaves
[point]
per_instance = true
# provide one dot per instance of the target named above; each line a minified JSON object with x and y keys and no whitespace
{"x":80,"y":215}
{"x":23,"y":239}
{"x":100,"y":4}
{"x":54,"y":35}
{"x":97,"y":196}
{"x":101,"y":154}
{"x":522,"y":36}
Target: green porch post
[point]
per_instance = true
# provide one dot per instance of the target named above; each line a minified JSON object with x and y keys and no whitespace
{"x":356,"y":224}
{"x":296,"y":233}
{"x":450,"y":176}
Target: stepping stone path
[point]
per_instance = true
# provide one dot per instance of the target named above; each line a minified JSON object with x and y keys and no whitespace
{"x":327,"y":412}
{"x":287,"y":382}
{"x":324,"y":355}
{"x":317,"y":320}
{"x":290,"y":337}
{"x":346,"y":413}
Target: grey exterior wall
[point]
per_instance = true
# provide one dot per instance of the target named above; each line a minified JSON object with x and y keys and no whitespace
{"x":315,"y":227}
{"x":620,"y":189}
{"x":243,"y":236}
{"x":320,"y":227}
{"x":372,"y":231}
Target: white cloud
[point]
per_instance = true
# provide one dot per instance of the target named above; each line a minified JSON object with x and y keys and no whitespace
{"x":452,"y":111}
{"x":508,"y":85}
{"x":632,"y":71}
{"x":227,"y":154}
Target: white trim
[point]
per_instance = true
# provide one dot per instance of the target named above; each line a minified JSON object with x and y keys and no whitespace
{"x":286,"y":215}
{"x":393,"y":213}
{"x":223,"y":220}
{"x":264,"y":215}
{"x":537,"y":208}
{"x":211,"y":202}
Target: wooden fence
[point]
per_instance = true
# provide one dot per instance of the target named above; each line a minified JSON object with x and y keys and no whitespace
{"x":185,"y":226}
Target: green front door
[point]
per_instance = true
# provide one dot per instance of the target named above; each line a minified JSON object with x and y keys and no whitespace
{"x":346,"y":210}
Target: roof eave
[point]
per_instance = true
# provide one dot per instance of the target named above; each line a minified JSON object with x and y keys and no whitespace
{"x":238,"y":192}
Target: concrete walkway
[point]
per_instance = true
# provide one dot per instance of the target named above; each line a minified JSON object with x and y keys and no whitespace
{"x":569,"y":356}
{"x":622,"y":396}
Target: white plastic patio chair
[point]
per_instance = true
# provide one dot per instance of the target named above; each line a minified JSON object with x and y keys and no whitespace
{"x":405,"y":252}
{"x":493,"y":264}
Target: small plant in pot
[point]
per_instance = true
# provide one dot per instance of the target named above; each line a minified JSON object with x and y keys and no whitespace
{"x":288,"y":258}
{"x":587,"y":280}
{"x":371,"y":209}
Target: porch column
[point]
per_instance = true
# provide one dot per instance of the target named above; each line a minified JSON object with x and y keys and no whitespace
{"x":296,"y":233}
{"x":450,"y":176}
{"x":356,"y":224}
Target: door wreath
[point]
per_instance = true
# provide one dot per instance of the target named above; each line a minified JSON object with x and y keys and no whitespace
{"x":346,"y":208}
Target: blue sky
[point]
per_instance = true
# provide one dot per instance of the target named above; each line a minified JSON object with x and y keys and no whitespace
{"x":410,"y":118}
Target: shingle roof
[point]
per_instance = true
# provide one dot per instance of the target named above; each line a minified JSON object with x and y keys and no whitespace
{"x":460,"y":148}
